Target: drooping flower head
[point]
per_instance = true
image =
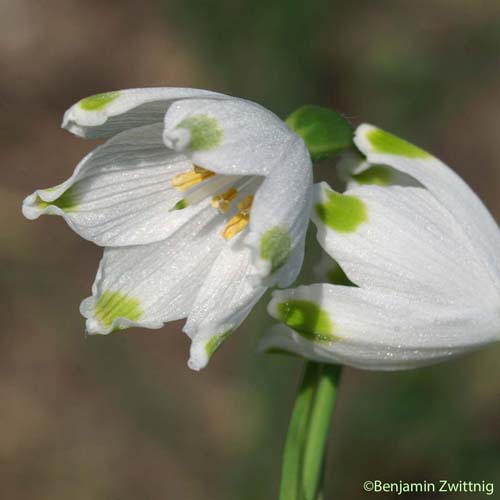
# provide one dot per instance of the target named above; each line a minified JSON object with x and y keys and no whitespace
{"x":201,"y":200}
{"x":424,"y":253}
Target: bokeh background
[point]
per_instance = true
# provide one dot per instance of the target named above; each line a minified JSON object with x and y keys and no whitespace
{"x":122,"y":417}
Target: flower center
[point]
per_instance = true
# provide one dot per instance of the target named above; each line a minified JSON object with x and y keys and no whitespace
{"x":224,"y":190}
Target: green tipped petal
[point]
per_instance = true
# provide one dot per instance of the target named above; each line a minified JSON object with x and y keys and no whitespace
{"x":99,"y":101}
{"x":113,"y":305}
{"x":215,"y":342}
{"x":66,"y":202}
{"x":205,"y":132}
{"x":275,"y":246}
{"x":308,"y":319}
{"x":386,"y":143}
{"x":377,"y":175}
{"x":341,"y":212}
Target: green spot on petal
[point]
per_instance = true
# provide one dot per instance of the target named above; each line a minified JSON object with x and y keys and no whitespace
{"x":215,"y":342}
{"x":205,"y":132}
{"x":98,"y":101}
{"x":383,"y":142}
{"x":341,"y":212}
{"x":307,"y":319}
{"x":376,"y":175}
{"x":66,"y":202}
{"x":113,"y":305}
{"x":275,"y":246}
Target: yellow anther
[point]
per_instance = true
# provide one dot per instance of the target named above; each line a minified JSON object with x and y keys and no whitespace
{"x":201,"y":170}
{"x":246,"y":204}
{"x":237,"y":223}
{"x":186,"y":180}
{"x":223,"y":201}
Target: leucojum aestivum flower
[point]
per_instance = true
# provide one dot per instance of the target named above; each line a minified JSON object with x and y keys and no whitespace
{"x":424,"y":254}
{"x":202,"y":202}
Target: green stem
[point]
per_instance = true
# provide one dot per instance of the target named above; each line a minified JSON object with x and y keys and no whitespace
{"x":304,"y":455}
{"x":297,"y":429}
{"x":319,"y":427}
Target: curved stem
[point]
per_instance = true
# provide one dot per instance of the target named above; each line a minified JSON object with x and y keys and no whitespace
{"x":303,"y":458}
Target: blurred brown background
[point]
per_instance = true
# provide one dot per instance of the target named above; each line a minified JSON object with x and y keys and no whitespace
{"x":122,"y":417}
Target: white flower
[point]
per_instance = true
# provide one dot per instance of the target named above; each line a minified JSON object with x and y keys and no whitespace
{"x":201,"y":199}
{"x":425,"y":259}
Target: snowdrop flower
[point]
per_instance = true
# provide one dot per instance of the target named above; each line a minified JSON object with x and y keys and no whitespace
{"x":201,"y":200}
{"x":425,"y":259}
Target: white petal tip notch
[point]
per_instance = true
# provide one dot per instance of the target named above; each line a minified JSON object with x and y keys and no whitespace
{"x":91,"y":111}
{"x":304,"y":316}
{"x":110,"y":312}
{"x":373,"y":140}
{"x":58,"y":200}
{"x":203,"y":347}
{"x":198,"y":132}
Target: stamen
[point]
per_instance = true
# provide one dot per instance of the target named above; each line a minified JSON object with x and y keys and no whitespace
{"x":185,"y":180}
{"x":237,"y":223}
{"x":246,"y":204}
{"x":223,"y":201}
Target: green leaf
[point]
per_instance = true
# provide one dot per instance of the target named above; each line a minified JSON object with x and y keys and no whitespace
{"x":324,"y":131}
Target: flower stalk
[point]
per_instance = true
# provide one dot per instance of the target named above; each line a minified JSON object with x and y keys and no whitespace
{"x":304,"y":454}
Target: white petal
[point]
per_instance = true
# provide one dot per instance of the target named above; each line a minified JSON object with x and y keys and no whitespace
{"x":228,"y":136}
{"x":401,"y":239}
{"x":104,"y":115}
{"x":279,"y":219}
{"x":223,"y":302}
{"x":121,"y":193}
{"x":148,"y":285}
{"x":451,"y":191}
{"x":355,"y":170}
{"x":240,"y":137}
{"x":376,"y":330}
